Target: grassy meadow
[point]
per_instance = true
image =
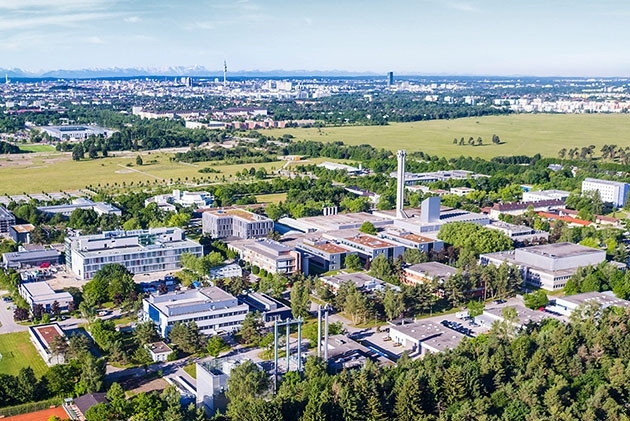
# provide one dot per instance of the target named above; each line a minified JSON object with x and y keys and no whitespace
{"x":521,"y":134}
{"x":18,"y":352}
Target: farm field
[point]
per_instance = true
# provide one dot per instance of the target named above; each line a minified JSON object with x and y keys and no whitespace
{"x":521,"y":134}
{"x":18,"y":352}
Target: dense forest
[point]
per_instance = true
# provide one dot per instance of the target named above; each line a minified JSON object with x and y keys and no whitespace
{"x":553,"y":370}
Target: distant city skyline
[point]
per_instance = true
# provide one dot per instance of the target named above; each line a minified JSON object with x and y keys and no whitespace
{"x":448,"y":37}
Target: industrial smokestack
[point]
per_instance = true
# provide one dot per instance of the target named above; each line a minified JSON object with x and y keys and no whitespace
{"x":400,"y":185}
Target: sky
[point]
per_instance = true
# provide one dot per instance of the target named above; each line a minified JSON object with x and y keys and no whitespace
{"x":449,"y":37}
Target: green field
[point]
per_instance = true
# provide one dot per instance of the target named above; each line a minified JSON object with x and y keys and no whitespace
{"x":37,"y":148}
{"x":271,"y":198}
{"x":521,"y":134}
{"x":17,"y":352}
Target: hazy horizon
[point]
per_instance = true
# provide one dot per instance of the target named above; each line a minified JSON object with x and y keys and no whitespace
{"x":409,"y":37}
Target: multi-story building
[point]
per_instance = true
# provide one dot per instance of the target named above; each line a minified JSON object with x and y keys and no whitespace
{"x":411,"y":240}
{"x":519,"y":208}
{"x":197,"y":199}
{"x":269,"y":255}
{"x":519,"y":233}
{"x":609,"y":191}
{"x":365,"y":245}
{"x":75,"y":132}
{"x":31,"y":258}
{"x":239,"y":223}
{"x":212,"y":309}
{"x":6,"y":219}
{"x":537,"y":196}
{"x":321,"y":254}
{"x":547,"y":266}
{"x":21,"y":233}
{"x":140,"y":251}
{"x":426,"y":272}
{"x":101,"y":208}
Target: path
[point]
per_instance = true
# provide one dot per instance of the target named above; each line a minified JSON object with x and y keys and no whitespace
{"x":141,"y":172}
{"x":6,"y":318}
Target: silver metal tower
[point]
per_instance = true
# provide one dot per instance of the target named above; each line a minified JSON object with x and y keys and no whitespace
{"x":400,"y":185}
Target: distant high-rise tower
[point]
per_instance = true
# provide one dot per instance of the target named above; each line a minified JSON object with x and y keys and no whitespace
{"x":224,"y":72}
{"x":6,"y":78}
{"x":400,"y":185}
{"x":390,"y":78}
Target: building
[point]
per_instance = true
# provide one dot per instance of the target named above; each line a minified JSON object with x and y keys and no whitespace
{"x":320,"y":255}
{"x":411,"y":240}
{"x":101,"y":208}
{"x":75,"y":132}
{"x":21,"y":233}
{"x":239,"y":223}
{"x":195,"y":200}
{"x":426,"y":272}
{"x":567,"y":305}
{"x":269,"y":308}
{"x":365,"y":245}
{"x":6,"y":219}
{"x":524,"y":315}
{"x":334,"y":166}
{"x":361,"y":280}
{"x":159,"y":351}
{"x":519,"y":233}
{"x":41,"y":293}
{"x":540,"y":195}
{"x":140,"y":251}
{"x":461,"y":191}
{"x":269,"y":255}
{"x":411,"y":179}
{"x":336,"y":222}
{"x":226,"y":271}
{"x":212,"y":382}
{"x":425,"y":337}
{"x":345,"y":353}
{"x":31,"y":258}
{"x":212,"y":309}
{"x":42,"y":337}
{"x":519,"y":208}
{"x":390,"y":78}
{"x":609,"y":191}
{"x":85,"y":402}
{"x":547,"y":266}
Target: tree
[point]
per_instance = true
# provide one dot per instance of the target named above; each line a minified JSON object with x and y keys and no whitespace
{"x":355,"y":304}
{"x":118,"y":403}
{"x":475,"y":308}
{"x":38,"y":311}
{"x":78,"y":152}
{"x":250,"y":329}
{"x":216,"y":345}
{"x":246,"y":381}
{"x":186,"y":336}
{"x":368,"y":228}
{"x":55,"y":308}
{"x":26,"y":385}
{"x":393,"y":304}
{"x":536,"y":299}
{"x":353,"y":262}
{"x":142,"y":358}
{"x":139,"y":160}
{"x":414,"y":256}
{"x":145,"y":332}
{"x":20,"y":314}
{"x":300,"y":299}
{"x":58,"y":346}
{"x":78,"y":346}
{"x":381,"y":268}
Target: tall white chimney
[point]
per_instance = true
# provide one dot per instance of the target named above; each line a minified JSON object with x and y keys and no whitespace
{"x":400,"y":185}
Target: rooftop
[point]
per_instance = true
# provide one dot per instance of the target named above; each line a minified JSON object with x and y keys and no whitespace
{"x":370,"y":241}
{"x":599,"y":181}
{"x":560,"y":250}
{"x":606,"y":298}
{"x":239,"y":213}
{"x":432,"y":269}
{"x":23,"y":229}
{"x":524,"y":314}
{"x":47,"y":333}
{"x":4,"y":213}
{"x":159,"y":348}
{"x":415,"y":238}
{"x":431,"y":334}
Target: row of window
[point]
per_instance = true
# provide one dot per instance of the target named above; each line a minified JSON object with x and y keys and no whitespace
{"x":210,"y":317}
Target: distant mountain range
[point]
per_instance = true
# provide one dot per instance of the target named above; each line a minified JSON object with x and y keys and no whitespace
{"x":199,"y":71}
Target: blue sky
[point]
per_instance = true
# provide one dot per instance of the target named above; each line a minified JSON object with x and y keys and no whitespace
{"x":474,"y":37}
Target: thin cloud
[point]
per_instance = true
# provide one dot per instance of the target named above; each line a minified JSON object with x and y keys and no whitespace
{"x":462,"y":7}
{"x":132,"y":19}
{"x":52,"y":20}
{"x":95,"y":40}
{"x":40,"y":5}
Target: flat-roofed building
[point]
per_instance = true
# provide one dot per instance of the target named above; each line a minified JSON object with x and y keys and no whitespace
{"x":232,"y":270}
{"x":41,"y":293}
{"x":538,"y":195}
{"x":567,"y":305}
{"x":196,"y":200}
{"x":410,"y":240}
{"x":519,"y":208}
{"x":43,"y":337}
{"x":547,"y":266}
{"x":212,"y":309}
{"x":321,"y":254}
{"x":334,"y":166}
{"x":6,"y":219}
{"x":426,"y":272}
{"x":614,"y":192}
{"x":212,"y":382}
{"x":425,"y":337}
{"x":365,"y":245}
{"x":140,"y":251}
{"x":31,"y":258}
{"x":21,"y":233}
{"x":75,"y":132}
{"x":519,"y":233}
{"x":524,"y":315}
{"x":101,"y":208}
{"x":361,"y":280}
{"x":238,"y":223}
{"x":337,"y":222}
{"x":268,"y":254}
{"x":269,"y":308}
{"x":158,"y":351}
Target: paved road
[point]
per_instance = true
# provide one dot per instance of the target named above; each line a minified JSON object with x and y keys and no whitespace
{"x":6,"y":318}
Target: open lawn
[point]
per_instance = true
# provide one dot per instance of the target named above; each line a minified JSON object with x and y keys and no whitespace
{"x":17,"y":352}
{"x":37,"y":148}
{"x":33,"y":173}
{"x":271,"y":198}
{"x":521,"y":134}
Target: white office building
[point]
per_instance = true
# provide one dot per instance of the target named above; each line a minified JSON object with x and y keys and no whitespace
{"x":239,"y":223}
{"x":212,"y":309}
{"x":140,"y":251}
{"x":609,"y":191}
{"x":547,"y":266}
{"x":41,"y":293}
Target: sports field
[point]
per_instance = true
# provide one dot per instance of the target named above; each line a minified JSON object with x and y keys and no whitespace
{"x":520,"y":134}
{"x":17,"y":352}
